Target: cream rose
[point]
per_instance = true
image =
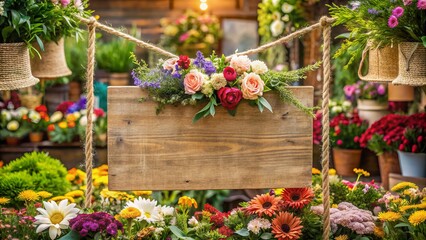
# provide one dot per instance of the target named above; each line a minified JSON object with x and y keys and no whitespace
{"x":193,"y":82}
{"x":277,"y":27}
{"x":218,"y":81}
{"x":258,"y":67}
{"x":169,"y":64}
{"x":252,"y":86}
{"x":241,"y":64}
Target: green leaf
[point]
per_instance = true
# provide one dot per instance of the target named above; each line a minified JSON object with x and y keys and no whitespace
{"x":266,"y":236}
{"x":259,"y":105}
{"x":202,"y":113}
{"x":72,"y":235}
{"x":265,"y":103}
{"x":5,"y":32}
{"x":16,"y":18}
{"x":399,"y":225}
{"x":212,"y":110}
{"x":243,"y":232}
{"x":232,"y":112}
{"x":197,"y":96}
{"x":424,"y":41}
{"x":40,"y":43}
{"x":178,"y":233}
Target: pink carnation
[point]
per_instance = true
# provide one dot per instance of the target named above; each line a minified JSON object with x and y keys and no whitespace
{"x":65,"y":2}
{"x":398,"y":12}
{"x":393,"y":21}
{"x":421,"y":4}
{"x":183,"y":37}
{"x":407,"y":2}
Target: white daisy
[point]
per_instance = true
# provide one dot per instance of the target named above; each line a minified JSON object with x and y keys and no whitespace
{"x":148,"y":208}
{"x":55,"y":217}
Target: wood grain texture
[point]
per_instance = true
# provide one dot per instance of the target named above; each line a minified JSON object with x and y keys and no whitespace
{"x":167,"y":152}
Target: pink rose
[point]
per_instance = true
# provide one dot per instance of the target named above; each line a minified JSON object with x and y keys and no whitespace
{"x":183,"y":37}
{"x":229,"y":97}
{"x":252,"y":86}
{"x":65,"y":2}
{"x":170,"y":64}
{"x":193,"y":82}
{"x":229,"y":74}
{"x":241,"y":64}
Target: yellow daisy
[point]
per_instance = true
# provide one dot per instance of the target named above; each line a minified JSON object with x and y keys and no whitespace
{"x":75,"y":194}
{"x":417,"y":217}
{"x":389,"y":216}
{"x":44,"y":194}
{"x":416,"y":206}
{"x":378,"y":231}
{"x":60,"y":198}
{"x":28,"y":195}
{"x":403,"y":185}
{"x":130,"y":213}
{"x":341,"y":237}
{"x":316,"y":171}
{"x":142,"y":193}
{"x":4,"y":200}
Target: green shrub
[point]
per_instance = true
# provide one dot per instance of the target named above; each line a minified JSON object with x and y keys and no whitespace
{"x":42,"y":171}
{"x":12,"y":183}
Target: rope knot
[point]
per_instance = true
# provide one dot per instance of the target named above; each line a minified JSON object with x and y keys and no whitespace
{"x":325,"y":21}
{"x":92,"y":21}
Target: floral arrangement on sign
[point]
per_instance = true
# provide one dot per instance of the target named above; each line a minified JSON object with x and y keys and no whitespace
{"x":186,"y":81}
{"x":189,"y":29}
{"x":277,"y":17}
{"x":366,"y":91}
{"x":345,"y":132}
{"x":383,"y":23}
{"x":359,"y":210}
{"x":394,"y":132}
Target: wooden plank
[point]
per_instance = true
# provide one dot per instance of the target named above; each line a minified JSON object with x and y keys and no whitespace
{"x":167,"y":152}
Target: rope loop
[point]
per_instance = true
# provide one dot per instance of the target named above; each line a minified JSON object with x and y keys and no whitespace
{"x":326,"y":21}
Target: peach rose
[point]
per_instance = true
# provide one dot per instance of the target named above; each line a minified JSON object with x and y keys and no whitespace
{"x":193,"y":82}
{"x":252,"y":86}
{"x":241,"y":64}
{"x":170,"y":64}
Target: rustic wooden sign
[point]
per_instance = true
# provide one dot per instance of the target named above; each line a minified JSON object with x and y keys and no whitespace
{"x":168,"y":152}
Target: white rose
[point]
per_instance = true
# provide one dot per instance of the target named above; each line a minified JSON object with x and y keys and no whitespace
{"x":287,"y":8}
{"x":286,"y":18}
{"x":241,"y":64}
{"x":170,"y":64}
{"x":258,"y":67}
{"x":22,"y":111}
{"x":34,"y":116}
{"x":275,"y":2}
{"x":83,"y":121}
{"x":277,"y":28}
{"x":218,"y":81}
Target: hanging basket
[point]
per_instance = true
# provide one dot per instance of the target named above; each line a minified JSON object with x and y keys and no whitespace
{"x":15,"y":70}
{"x":382,"y":64}
{"x":52,"y":63}
{"x":400,"y":93}
{"x":412,"y":64}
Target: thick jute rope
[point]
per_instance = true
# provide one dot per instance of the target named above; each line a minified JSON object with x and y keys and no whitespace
{"x":326,"y":58}
{"x":138,"y":42}
{"x":90,"y":99}
{"x":324,"y":23}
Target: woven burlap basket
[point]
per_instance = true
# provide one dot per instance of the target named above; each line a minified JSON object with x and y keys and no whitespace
{"x":412,"y":64}
{"x":52,"y":63}
{"x":15,"y":70}
{"x":30,"y":99}
{"x":382,"y":64}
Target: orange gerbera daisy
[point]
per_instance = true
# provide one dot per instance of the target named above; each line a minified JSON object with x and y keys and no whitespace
{"x":297,"y":198}
{"x":286,"y":226}
{"x":263,"y":204}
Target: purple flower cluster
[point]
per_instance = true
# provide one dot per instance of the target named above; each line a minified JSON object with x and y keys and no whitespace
{"x":145,"y":84}
{"x":98,"y":222}
{"x":201,"y":62}
{"x":347,"y":215}
{"x":77,"y":106}
{"x":373,"y":11}
{"x":364,"y":90}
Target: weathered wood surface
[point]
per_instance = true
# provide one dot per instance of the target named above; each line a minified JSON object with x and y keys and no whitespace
{"x":167,"y":152}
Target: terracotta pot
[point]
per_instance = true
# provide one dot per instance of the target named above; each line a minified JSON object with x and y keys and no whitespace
{"x":36,"y":137}
{"x":12,"y":141}
{"x":118,"y":79}
{"x":345,"y":160}
{"x":74,"y":91}
{"x":372,"y":110}
{"x":388,"y":163}
{"x":400,"y":93}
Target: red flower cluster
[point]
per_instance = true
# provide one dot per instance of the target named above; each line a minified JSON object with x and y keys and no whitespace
{"x":317,"y":134}
{"x":63,"y":107}
{"x":217,"y":218}
{"x":184,"y":61}
{"x":396,"y":132}
{"x":345,"y":132}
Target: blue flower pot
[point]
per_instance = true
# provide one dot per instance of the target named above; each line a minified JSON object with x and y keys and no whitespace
{"x":412,"y":164}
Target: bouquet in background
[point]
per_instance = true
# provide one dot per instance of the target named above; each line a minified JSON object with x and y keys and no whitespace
{"x":338,"y":107}
{"x":37,"y":119}
{"x":366,"y":91}
{"x":345,"y":132}
{"x":12,"y":122}
{"x":217,"y":82}
{"x":189,"y":29}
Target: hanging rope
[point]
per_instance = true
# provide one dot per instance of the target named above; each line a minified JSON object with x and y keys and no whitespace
{"x":90,"y":100}
{"x":324,"y":23}
{"x":326,"y":33}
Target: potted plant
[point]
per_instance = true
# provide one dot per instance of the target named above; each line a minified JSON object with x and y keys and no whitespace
{"x":19,"y":29}
{"x":37,"y":120}
{"x":58,"y":19}
{"x":12,"y":128}
{"x":62,"y":129}
{"x":114,"y":57}
{"x":382,"y":138}
{"x":191,"y":32}
{"x":371,"y":99}
{"x":76,"y":57}
{"x":345,"y":133}
{"x":412,"y":147}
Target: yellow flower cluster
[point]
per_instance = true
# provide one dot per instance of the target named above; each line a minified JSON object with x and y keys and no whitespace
{"x":142,"y":193}
{"x":403,"y":186}
{"x":361,"y":172}
{"x":116,"y":195}
{"x":4,"y":200}
{"x":316,"y":171}
{"x":416,"y":206}
{"x":389,"y":216}
{"x":44,"y":194}
{"x":341,"y":237}
{"x":58,"y":199}
{"x":100,"y":176}
{"x":278,"y":191}
{"x":130,"y":213}
{"x":76,"y":176}
{"x":417,"y":217}
{"x":28,"y":196}
{"x":75,"y":194}
{"x":187,"y":202}
{"x":378,"y":232}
